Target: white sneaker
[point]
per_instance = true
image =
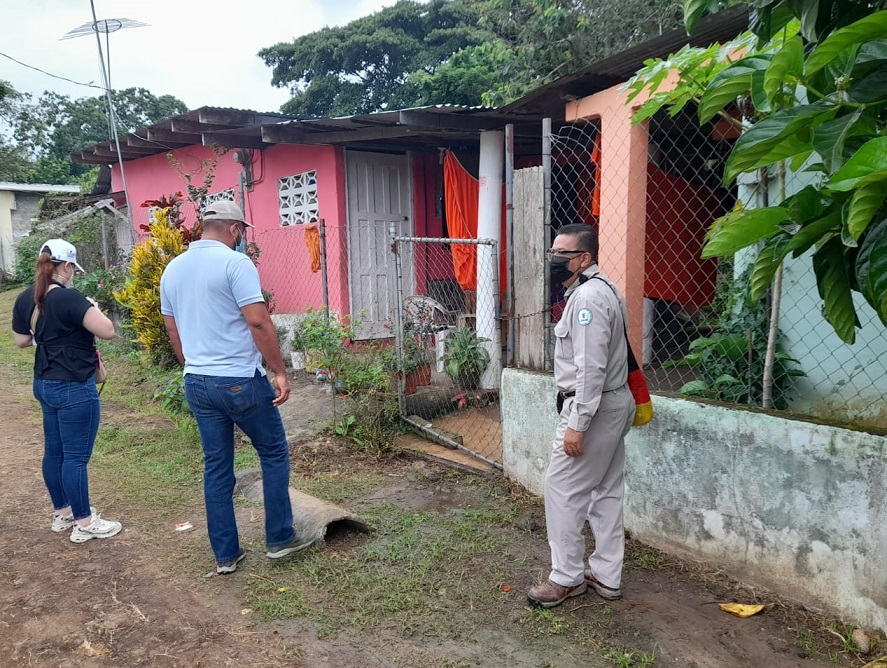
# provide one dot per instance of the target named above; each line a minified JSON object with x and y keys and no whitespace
{"x":97,"y":528}
{"x":62,"y":523}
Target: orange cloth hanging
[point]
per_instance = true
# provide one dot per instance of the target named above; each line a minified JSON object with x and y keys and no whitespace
{"x":461,"y":193}
{"x":596,"y":159}
{"x":312,"y":240}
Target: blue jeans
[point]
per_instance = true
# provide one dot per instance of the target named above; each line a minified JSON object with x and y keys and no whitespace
{"x":218,"y":403}
{"x":71,"y":414}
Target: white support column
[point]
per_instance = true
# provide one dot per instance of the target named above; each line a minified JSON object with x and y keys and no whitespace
{"x":489,"y":226}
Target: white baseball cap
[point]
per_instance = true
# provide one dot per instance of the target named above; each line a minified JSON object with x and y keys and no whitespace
{"x":224,"y":209}
{"x":61,"y":251}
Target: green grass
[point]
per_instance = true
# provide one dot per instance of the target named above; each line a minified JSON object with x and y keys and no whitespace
{"x":416,"y":566}
{"x":808,"y":642}
{"x":156,"y":458}
{"x":437,"y":572}
{"x":547,"y":622}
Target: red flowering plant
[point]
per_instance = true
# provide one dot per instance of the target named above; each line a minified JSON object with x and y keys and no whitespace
{"x":170,"y":206}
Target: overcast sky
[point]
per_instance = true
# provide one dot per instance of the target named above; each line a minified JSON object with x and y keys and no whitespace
{"x":202,"y":52}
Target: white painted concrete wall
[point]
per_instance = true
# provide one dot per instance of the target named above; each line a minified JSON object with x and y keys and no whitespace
{"x":796,"y":507}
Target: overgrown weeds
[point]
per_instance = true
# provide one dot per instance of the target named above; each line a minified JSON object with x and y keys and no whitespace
{"x":371,"y":404}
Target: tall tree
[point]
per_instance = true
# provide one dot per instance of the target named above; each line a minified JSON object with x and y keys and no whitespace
{"x":378,"y":61}
{"x":54,"y":126}
{"x":547,"y":39}
{"x":456,"y":51}
{"x":15,"y":164}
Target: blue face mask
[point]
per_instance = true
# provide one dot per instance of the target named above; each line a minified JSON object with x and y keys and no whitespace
{"x":240,"y":244}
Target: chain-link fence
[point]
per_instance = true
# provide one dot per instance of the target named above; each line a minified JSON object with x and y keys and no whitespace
{"x":448,"y":341}
{"x":701,"y":335}
{"x":303,"y":268}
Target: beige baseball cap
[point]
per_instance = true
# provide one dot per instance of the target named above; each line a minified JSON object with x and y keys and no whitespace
{"x":224,"y":209}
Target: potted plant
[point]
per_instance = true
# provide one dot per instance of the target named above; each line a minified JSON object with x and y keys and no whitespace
{"x":415,"y":361}
{"x":465,"y":358}
{"x":419,"y":331}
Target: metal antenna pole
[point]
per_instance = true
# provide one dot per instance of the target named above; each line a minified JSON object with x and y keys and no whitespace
{"x":111,"y":114}
{"x":108,"y":28}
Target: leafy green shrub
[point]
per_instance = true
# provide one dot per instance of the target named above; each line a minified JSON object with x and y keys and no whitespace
{"x":101,"y":285}
{"x":324,"y":338}
{"x":730,"y":361}
{"x":141,"y":294}
{"x":370,"y":400}
{"x":171,"y":394}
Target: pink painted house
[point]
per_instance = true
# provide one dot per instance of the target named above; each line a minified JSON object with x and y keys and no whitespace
{"x":360,"y":175}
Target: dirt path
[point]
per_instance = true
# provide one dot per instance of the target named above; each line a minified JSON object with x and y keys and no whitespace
{"x":143,"y":598}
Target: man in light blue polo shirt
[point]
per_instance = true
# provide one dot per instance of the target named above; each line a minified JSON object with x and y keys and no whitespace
{"x":220,"y":330}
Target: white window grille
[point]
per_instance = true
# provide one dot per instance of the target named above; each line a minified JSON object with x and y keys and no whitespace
{"x":209,"y":198}
{"x":297,"y":196}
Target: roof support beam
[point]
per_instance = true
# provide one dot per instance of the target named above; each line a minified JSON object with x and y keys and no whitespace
{"x":232,"y":140}
{"x":88,"y":158}
{"x":421,"y":119}
{"x":283,"y":134}
{"x":184,"y":125}
{"x":135,"y":140}
{"x":166,"y":136}
{"x":363,"y":134}
{"x":233,"y":118}
{"x":110,"y":153}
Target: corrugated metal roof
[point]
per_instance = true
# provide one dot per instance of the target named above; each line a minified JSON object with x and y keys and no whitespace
{"x":417,"y":128}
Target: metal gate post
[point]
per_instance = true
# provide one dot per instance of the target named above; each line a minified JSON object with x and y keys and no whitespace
{"x":398,"y":321}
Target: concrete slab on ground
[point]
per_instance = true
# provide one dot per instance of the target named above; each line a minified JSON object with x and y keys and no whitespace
{"x":457,"y":458}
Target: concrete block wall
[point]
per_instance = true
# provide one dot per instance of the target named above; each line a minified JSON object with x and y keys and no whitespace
{"x":799,"y":508}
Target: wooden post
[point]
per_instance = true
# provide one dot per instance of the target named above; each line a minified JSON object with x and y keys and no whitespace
{"x":531,"y":237}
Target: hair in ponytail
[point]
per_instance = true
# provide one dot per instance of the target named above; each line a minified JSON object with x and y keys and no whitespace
{"x":43,"y":278}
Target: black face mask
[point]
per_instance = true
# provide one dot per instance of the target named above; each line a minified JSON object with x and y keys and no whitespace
{"x":560,"y":270}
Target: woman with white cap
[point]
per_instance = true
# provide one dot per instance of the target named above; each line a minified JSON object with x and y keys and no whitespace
{"x":62,"y":324}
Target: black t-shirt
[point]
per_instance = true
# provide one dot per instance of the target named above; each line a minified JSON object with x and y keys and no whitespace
{"x":65,"y":348}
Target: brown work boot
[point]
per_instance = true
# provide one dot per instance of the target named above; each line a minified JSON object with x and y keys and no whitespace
{"x":550,"y":594}
{"x":602,"y":590}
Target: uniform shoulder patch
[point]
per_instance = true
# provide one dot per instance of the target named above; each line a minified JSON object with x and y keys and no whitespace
{"x":584,"y":316}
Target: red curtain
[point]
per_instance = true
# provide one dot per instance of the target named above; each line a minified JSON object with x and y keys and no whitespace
{"x":461,"y":193}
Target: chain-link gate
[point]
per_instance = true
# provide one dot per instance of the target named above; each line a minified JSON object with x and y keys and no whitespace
{"x":449,"y":341}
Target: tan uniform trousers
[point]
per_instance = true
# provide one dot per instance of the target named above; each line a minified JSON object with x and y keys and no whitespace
{"x":589,"y":487}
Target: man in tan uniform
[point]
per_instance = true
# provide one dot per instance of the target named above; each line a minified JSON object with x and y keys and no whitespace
{"x":585,"y":475}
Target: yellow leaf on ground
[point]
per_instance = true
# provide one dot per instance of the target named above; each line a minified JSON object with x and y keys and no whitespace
{"x":877,"y":663}
{"x":742,"y":609}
